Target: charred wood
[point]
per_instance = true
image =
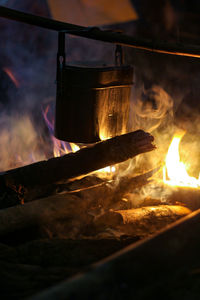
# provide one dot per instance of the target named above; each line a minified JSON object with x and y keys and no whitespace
{"x":81,"y":198}
{"x":73,"y":205}
{"x":129,"y":183}
{"x":39,"y":212}
{"x":115,"y":150}
{"x":109,"y":194}
{"x":142,"y":221}
{"x":103,"y":192}
{"x":71,"y":216}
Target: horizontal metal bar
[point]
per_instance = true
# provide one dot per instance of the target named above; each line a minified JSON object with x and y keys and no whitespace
{"x":101,"y":35}
{"x":102,"y":87}
{"x":166,"y":263}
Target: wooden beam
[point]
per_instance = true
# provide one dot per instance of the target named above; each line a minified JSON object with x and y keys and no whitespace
{"x":101,"y":35}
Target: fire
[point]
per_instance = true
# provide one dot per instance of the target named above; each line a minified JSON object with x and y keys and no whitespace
{"x":174,"y":171}
{"x":61,"y":148}
{"x":12,"y":76}
{"x":107,"y":170}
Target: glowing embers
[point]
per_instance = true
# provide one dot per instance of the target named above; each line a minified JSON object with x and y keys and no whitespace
{"x":175,"y":171}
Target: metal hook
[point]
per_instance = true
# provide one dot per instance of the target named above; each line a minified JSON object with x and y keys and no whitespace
{"x":119,"y":57}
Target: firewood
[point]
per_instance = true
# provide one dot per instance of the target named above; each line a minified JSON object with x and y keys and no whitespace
{"x":41,"y":211}
{"x":142,"y":221}
{"x":129,"y":183}
{"x":63,"y":215}
{"x":86,"y":160}
{"x":108,"y":194}
{"x":102,"y":191}
{"x":72,"y":205}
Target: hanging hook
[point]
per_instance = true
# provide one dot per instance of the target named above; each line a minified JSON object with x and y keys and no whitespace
{"x":119,"y":57}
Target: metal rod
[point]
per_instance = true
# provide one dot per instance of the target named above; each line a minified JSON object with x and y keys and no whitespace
{"x":61,"y":50}
{"x":60,"y":65}
{"x":101,"y":35}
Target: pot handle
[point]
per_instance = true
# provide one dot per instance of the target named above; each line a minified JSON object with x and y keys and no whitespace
{"x":119,"y":55}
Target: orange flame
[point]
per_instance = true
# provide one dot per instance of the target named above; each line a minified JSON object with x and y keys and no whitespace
{"x":174,"y":171}
{"x":12,"y":76}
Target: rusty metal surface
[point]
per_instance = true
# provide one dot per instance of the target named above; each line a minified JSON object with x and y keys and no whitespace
{"x":92,"y":103}
{"x":165,"y":266}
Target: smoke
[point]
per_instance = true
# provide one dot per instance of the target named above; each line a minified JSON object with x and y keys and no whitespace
{"x":20,"y":144}
{"x":4,"y":2}
{"x":29,"y":53}
{"x":27,"y":72}
{"x":152,"y":109}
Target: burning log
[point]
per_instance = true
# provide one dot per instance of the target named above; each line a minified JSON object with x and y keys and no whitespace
{"x":109,"y":194}
{"x":46,"y":213}
{"x":74,"y":209}
{"x":39,"y":212}
{"x":142,"y":221}
{"x":86,"y":160}
{"x":127,"y":184}
{"x":71,"y":205}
